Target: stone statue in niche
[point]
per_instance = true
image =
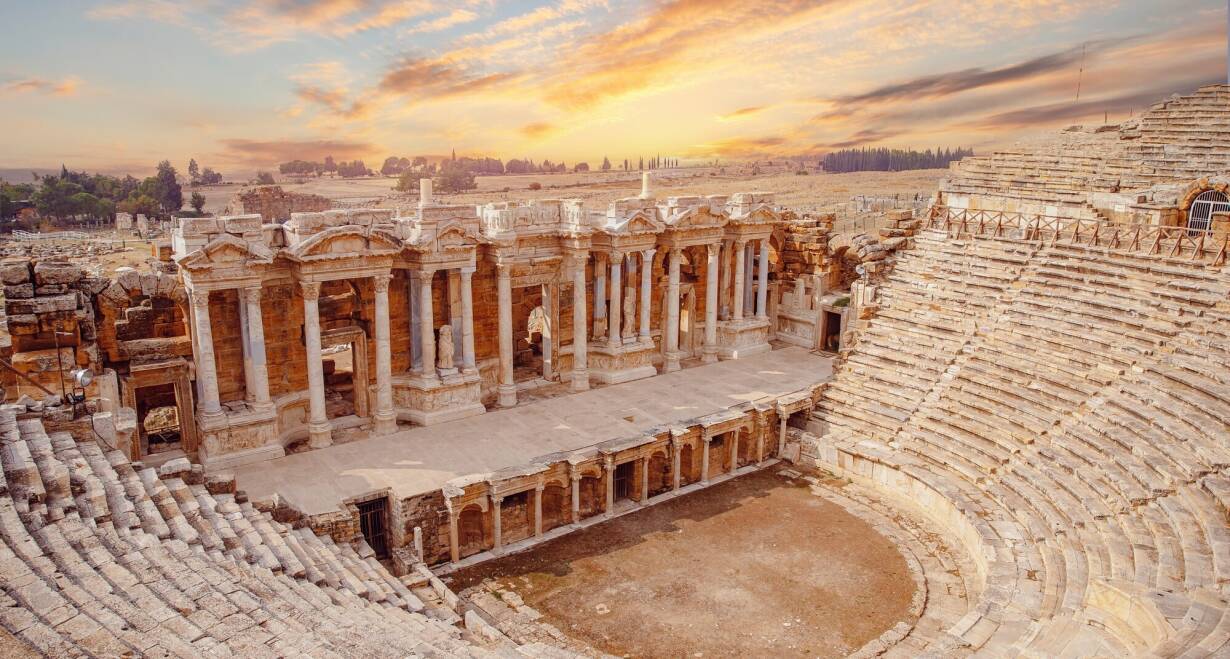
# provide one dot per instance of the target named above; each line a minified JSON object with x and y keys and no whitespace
{"x":444,"y":348}
{"x":629,"y":320}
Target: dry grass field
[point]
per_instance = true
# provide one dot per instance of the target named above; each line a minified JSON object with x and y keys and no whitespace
{"x":597,"y":189}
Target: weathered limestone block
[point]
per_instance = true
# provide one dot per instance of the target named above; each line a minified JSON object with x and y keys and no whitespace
{"x":18,"y":291}
{"x":15,"y":271}
{"x":198,"y":227}
{"x":53,"y":272}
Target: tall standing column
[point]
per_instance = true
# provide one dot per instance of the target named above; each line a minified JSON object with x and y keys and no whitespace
{"x":245,"y":341}
{"x":320,"y":433}
{"x":725,"y":306}
{"x":538,"y":509}
{"x":574,"y":475}
{"x":385,"y":419}
{"x":783,"y":419}
{"x":468,"y":363}
{"x":609,"y":467}
{"x":580,"y":345}
{"x":617,"y":297}
{"x":704,"y":462}
{"x":507,"y":388}
{"x":645,"y":480}
{"x":206,"y":366}
{"x":711,"y":305}
{"x":749,"y":283}
{"x":676,"y":455}
{"x":497,"y":522}
{"x":672,"y":313}
{"x":599,"y":295}
{"x":427,"y":332}
{"x":734,"y":450}
{"x":762,"y":286}
{"x":256,"y":345}
{"x":454,"y":539}
{"x":646,"y":293}
{"x":416,"y":342}
{"x":740,"y":253}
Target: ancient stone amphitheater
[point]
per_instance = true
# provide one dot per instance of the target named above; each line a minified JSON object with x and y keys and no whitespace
{"x":1039,"y":378}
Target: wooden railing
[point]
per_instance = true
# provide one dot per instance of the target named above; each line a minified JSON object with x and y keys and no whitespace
{"x":1171,"y":242}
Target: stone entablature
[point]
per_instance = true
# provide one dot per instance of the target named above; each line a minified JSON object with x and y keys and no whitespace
{"x":418,"y":293}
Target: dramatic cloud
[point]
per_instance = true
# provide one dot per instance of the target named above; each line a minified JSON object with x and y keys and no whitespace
{"x":66,"y":87}
{"x":418,"y":79}
{"x":257,"y":153}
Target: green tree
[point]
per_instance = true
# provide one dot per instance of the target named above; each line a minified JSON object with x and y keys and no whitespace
{"x":198,"y":202}
{"x":606,"y":164}
{"x":194,"y":171}
{"x":139,"y":204}
{"x":453,"y":179}
{"x":166,"y":188}
{"x":55,"y":198}
{"x":264,"y":178}
{"x":409,"y":181}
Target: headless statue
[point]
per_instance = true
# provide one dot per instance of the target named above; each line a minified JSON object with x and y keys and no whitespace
{"x":444,"y":348}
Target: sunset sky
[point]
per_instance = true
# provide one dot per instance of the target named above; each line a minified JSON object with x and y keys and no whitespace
{"x":245,"y":84}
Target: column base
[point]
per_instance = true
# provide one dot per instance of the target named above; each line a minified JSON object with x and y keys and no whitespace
{"x":384,"y":423}
{"x":320,"y":435}
{"x":709,"y":354}
{"x":507,"y":395}
{"x":580,"y":381}
{"x":671,"y":363}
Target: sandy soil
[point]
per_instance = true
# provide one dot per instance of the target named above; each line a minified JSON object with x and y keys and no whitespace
{"x":598,"y":188}
{"x":755,"y":566}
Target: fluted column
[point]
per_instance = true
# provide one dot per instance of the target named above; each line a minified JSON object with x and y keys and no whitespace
{"x":507,"y":387}
{"x":600,"y":262}
{"x":740,"y":253}
{"x":385,"y":419}
{"x":711,"y":304}
{"x":617,"y":300}
{"x":206,"y":365}
{"x":580,"y":343}
{"x":762,"y":285}
{"x":427,"y":331}
{"x":725,"y":306}
{"x":672,"y":313}
{"x":468,"y":363}
{"x":646,"y":293}
{"x":320,"y":433}
{"x":256,"y":345}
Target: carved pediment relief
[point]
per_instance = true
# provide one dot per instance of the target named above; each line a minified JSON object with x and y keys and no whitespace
{"x":342,"y":242}
{"x":225,"y":250}
{"x":697,"y":217}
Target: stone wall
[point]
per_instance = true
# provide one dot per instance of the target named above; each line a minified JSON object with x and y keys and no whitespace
{"x":274,"y":204}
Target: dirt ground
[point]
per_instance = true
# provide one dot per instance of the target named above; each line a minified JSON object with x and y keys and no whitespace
{"x":753,"y":567}
{"x":816,"y":190}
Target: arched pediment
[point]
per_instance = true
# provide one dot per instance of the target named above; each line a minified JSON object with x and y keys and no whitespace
{"x":454,"y":235}
{"x":225,"y":250}
{"x":697,"y":216}
{"x":345,"y":241}
{"x":762,"y":214}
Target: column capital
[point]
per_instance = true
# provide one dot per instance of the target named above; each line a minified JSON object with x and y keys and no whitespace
{"x":539,"y":488}
{"x":497,"y":499}
{"x":381,"y":282}
{"x":713,"y":248}
{"x":427,"y":271}
{"x":574,"y":473}
{"x":616,"y":255}
{"x":608,"y":462}
{"x":200,"y":298}
{"x":252,"y":293}
{"x":676,"y":252}
{"x":503,"y":270}
{"x":647,"y":254}
{"x":310,"y":290}
{"x":741,"y":242}
{"x":467,"y":270}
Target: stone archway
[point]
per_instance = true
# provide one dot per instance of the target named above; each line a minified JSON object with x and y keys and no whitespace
{"x":659,"y":473}
{"x":472,"y":534}
{"x":593,"y":496}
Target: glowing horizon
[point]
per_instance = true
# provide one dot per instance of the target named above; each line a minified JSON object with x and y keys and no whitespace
{"x":244,"y":84}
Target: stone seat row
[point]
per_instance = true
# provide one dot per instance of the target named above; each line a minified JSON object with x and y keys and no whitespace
{"x":102,"y":559}
{"x":1088,"y":474}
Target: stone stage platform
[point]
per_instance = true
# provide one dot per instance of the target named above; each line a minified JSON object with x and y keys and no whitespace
{"x":422,"y":459}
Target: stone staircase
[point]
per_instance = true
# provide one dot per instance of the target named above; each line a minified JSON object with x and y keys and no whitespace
{"x":1077,"y":442}
{"x":101,"y":557}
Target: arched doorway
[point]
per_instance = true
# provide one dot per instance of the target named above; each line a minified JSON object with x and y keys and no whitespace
{"x":1200,"y":214}
{"x":556,"y":506}
{"x":659,"y":474}
{"x":593,"y":496}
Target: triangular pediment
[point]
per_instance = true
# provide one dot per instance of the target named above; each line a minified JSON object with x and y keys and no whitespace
{"x":223,"y":251}
{"x":698,"y":216}
{"x":347,"y":241}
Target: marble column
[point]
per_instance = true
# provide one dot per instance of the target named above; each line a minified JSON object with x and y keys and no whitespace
{"x":256,"y":345}
{"x":580,"y":322}
{"x":740,"y":253}
{"x":385,"y":419}
{"x":646,"y":293}
{"x":468,"y":363}
{"x":749,"y":280}
{"x":617,"y":298}
{"x":676,"y":459}
{"x":600,"y":262}
{"x":245,"y":342}
{"x":672,"y":315}
{"x":760,"y":443}
{"x":320,"y":433}
{"x":734,"y":450}
{"x":538,"y":510}
{"x":416,"y":343}
{"x":427,"y":331}
{"x":704,"y":462}
{"x":575,"y":476}
{"x":608,"y":466}
{"x":711,"y":305}
{"x":206,"y":365}
{"x":507,"y":387}
{"x":762,"y":286}
{"x":497,"y":522}
{"x":454,"y":537}
{"x":783,"y":419}
{"x":724,"y":306}
{"x":645,"y":480}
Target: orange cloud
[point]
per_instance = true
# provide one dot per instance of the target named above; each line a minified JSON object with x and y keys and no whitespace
{"x":419,"y":78}
{"x":65,"y":87}
{"x":743,"y":112}
{"x":537,"y":130}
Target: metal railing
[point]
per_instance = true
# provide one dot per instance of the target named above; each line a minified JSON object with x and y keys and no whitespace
{"x":1198,"y":245}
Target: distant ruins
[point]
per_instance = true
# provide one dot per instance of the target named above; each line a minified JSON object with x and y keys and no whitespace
{"x":237,"y":450}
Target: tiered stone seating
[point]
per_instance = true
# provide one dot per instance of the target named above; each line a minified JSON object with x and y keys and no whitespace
{"x":1078,"y":445}
{"x":1184,"y":137}
{"x":103,"y":558}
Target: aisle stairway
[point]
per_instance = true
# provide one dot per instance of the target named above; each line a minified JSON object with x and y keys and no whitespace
{"x":1074,"y":434}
